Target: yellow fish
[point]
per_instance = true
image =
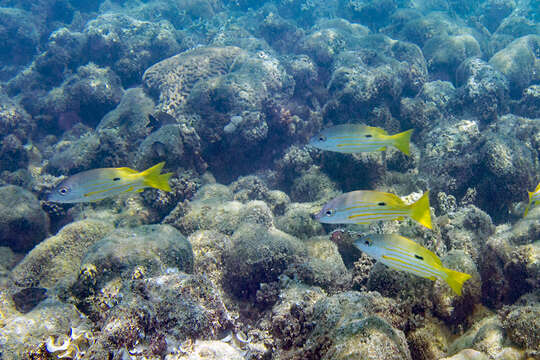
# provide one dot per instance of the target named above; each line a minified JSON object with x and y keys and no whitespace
{"x":534,"y":198}
{"x":364,"y":206}
{"x":400,"y":253}
{"x":356,"y":138}
{"x":98,"y":184}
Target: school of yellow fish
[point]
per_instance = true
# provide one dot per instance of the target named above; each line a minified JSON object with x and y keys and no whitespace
{"x":356,"y":207}
{"x":365,"y":206}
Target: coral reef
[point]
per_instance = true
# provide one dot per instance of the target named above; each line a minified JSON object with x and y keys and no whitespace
{"x":23,"y":224}
{"x":231,"y":263}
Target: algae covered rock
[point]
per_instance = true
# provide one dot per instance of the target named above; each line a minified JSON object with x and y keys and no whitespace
{"x":258,"y":255}
{"x":23,"y":223}
{"x":25,"y":334}
{"x":483,"y":89}
{"x":150,"y":249}
{"x":58,"y":258}
{"x":519,"y":62}
{"x":347,"y":327}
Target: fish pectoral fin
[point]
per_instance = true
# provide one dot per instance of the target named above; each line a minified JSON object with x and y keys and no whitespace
{"x":139,"y":190}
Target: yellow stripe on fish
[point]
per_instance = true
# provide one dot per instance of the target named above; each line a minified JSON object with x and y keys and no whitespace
{"x":98,"y":184}
{"x":356,"y":138}
{"x":534,"y":199}
{"x":364,"y":206}
{"x":400,"y":253}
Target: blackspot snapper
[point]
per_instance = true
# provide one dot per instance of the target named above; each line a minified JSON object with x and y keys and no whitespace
{"x":98,"y":184}
{"x":400,"y":253}
{"x":356,"y":138}
{"x":365,"y":206}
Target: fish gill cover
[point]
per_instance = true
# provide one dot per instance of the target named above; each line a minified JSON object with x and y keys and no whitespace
{"x":252,"y":117}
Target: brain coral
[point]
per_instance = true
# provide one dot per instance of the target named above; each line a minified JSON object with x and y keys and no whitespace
{"x":172,"y":79}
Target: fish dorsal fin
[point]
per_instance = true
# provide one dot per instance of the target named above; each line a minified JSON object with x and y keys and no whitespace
{"x":127,"y":170}
{"x":376,"y":130}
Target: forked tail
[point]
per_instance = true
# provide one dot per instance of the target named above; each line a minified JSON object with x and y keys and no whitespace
{"x":455,"y":280}
{"x":420,"y":211}
{"x":153,"y":178}
{"x":402,"y":141}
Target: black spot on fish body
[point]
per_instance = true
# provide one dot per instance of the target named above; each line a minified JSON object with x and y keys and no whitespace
{"x":27,"y":299}
{"x":369,"y":135}
{"x":116,"y":179}
{"x":418,"y":257}
{"x":382,"y":203}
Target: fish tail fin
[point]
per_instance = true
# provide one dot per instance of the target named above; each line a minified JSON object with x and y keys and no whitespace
{"x":420,"y":210}
{"x":529,"y":204}
{"x":153,"y":178}
{"x":402,"y":141}
{"x":455,"y":279}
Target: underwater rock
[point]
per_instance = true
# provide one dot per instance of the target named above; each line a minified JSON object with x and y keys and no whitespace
{"x":346,"y":326}
{"x":212,"y":208}
{"x":444,"y":54}
{"x":454,"y":309}
{"x":281,"y":34}
{"x":467,"y":354}
{"x":75,"y":155}
{"x":149,"y":248}
{"x":529,"y":104}
{"x":508,"y":155}
{"x":258,"y":255}
{"x":57,"y":259}
{"x":14,"y":120}
{"x":290,"y":315}
{"x":209,"y":250}
{"x":519,"y":62}
{"x":23,"y":223}
{"x":128,"y":45}
{"x":323,"y":266}
{"x":493,"y":12}
{"x":434,"y":102}
{"x":298,"y":220}
{"x":20,"y":38}
{"x":216,"y":85}
{"x":451,"y":158}
{"x":429,"y":341}
{"x":522,"y":323}
{"x":372,"y":75}
{"x":22,"y":336}
{"x":313,"y":185}
{"x":90,"y":93}
{"x":483,"y":90}
{"x":212,"y":350}
{"x":374,"y":14}
{"x":131,"y":118}
{"x":199,"y":312}
{"x":172,"y":144}
{"x":509,"y":265}
{"x":328,"y":38}
{"x":468,"y":229}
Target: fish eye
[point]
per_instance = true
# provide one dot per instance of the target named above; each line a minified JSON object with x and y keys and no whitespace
{"x":367,"y":242}
{"x":322,"y":138}
{"x":329,"y":212}
{"x":382,"y":203}
{"x":63,"y":190}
